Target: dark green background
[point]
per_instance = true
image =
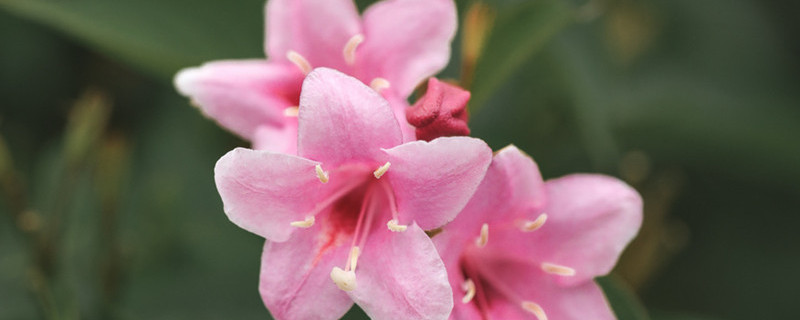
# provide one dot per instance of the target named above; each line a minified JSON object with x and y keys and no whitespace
{"x":696,"y":103}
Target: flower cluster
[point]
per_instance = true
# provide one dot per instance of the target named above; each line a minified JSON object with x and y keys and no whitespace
{"x":365,"y":199}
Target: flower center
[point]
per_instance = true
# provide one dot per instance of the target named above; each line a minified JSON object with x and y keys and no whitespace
{"x":357,"y":200}
{"x":483,"y":269}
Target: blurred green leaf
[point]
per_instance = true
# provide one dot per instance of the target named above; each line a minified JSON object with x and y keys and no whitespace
{"x":520,"y":31}
{"x":624,"y":302}
{"x":159,"y":36}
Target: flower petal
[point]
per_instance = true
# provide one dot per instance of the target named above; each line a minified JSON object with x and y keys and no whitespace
{"x":510,"y":282}
{"x":342,"y":120}
{"x":407,"y":41}
{"x":295,"y":278}
{"x":277,"y":139}
{"x":400,"y":276}
{"x":316,"y":29}
{"x":263,"y":192}
{"x":399,"y":106}
{"x":590,"y":220}
{"x":434,"y":180}
{"x":512,"y":188}
{"x":242,"y":95}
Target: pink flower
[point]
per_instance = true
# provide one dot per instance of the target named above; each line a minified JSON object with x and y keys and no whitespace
{"x":527,"y":249}
{"x":344,"y":219}
{"x":396,"y":45}
{"x":441,"y":112}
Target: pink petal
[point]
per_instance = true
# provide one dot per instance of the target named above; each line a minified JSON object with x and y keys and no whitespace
{"x":434,"y":180}
{"x":512,"y":188}
{"x":277,"y":139}
{"x":585,"y":301}
{"x":400,"y":276}
{"x":342,"y":120}
{"x":509,"y":282}
{"x":295,"y":278}
{"x":590,"y":220}
{"x":406,"y":41}
{"x":242,"y":95}
{"x":316,"y":29}
{"x":263,"y":192}
{"x":399,"y":107}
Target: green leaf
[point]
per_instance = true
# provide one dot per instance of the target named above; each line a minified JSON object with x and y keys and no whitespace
{"x":520,"y":31}
{"x":624,"y":302}
{"x":158,"y":36}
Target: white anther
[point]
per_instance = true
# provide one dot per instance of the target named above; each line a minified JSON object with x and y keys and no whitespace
{"x":394,"y":226}
{"x":291,"y":112}
{"x":322,"y":175}
{"x":380,"y":171}
{"x":307,"y":223}
{"x":299,"y":61}
{"x":355,"y":252}
{"x":469,"y":289}
{"x":557,"y":269}
{"x":345,"y":280}
{"x":379,"y":84}
{"x":535,"y":309}
{"x":483,"y":239}
{"x":528,"y":226}
{"x":349,"y":50}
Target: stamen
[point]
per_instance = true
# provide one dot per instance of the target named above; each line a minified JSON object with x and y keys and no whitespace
{"x":535,"y":309}
{"x":349,"y":50}
{"x":469,"y":287}
{"x":528,"y":226}
{"x":307,"y":223}
{"x":380,"y":171}
{"x":353,"y":259}
{"x":379,"y":84}
{"x":345,"y":280}
{"x":291,"y":112}
{"x":557,"y":269}
{"x":322,"y":175}
{"x":299,"y":61}
{"x":484,"y":237}
{"x":394,"y":226}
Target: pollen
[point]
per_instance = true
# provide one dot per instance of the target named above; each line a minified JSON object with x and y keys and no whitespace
{"x":483,"y":239}
{"x":307,"y":223}
{"x":394,"y":226}
{"x":299,"y":61}
{"x":535,"y":309}
{"x":350,"y":47}
{"x":469,"y":289}
{"x":560,"y":270}
{"x":382,"y":170}
{"x":345,"y":280}
{"x":291,"y":112}
{"x":528,"y":226}
{"x":322,"y":175}
{"x":379,"y":84}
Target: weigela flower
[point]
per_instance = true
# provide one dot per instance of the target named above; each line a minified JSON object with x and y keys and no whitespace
{"x":344,"y":219}
{"x":527,"y":249}
{"x":396,"y":45}
{"x":441,"y":112}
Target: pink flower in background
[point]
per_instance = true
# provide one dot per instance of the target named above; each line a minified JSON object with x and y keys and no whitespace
{"x":344,"y":219}
{"x":441,"y":112}
{"x":393,"y":47}
{"x":523,"y":248}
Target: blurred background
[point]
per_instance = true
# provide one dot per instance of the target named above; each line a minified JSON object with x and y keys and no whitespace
{"x":109,"y":209}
